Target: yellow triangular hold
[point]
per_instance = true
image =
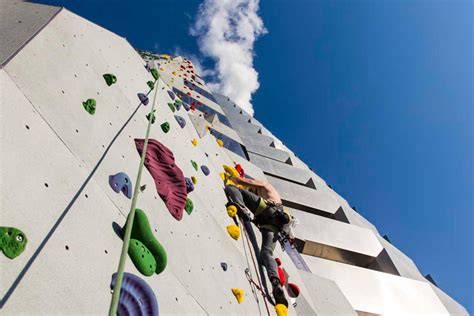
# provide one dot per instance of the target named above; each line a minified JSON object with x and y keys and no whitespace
{"x":220,"y":143}
{"x":194,"y":142}
{"x":232,"y":210}
{"x":281,"y":310}
{"x":234,"y":231}
{"x":239,"y":294}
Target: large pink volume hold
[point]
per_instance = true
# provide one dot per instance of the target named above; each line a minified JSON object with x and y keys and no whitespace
{"x":169,"y":179}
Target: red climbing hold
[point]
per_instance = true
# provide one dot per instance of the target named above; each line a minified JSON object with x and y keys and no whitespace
{"x":293,"y":290}
{"x":241,"y":172}
{"x":193,"y":108}
{"x":169,"y":178}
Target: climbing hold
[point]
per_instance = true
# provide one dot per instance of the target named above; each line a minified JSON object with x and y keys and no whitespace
{"x":189,"y":206}
{"x":136,"y":296}
{"x":89,"y":106}
{"x":222,"y":175}
{"x":293,"y":290}
{"x":165,"y":127}
{"x":281,"y":310}
{"x":110,"y":79}
{"x":172,"y":108}
{"x":239,"y":294}
{"x":141,"y":257}
{"x":234,"y":231}
{"x":195,"y":165}
{"x":155,"y":73}
{"x":232,"y":210}
{"x":121,"y":182}
{"x":205,"y":170}
{"x":194,"y":142}
{"x":151,"y":116}
{"x":142,"y":188}
{"x":231,"y":170}
{"x":12,"y":241}
{"x":189,"y":185}
{"x":162,"y":69}
{"x":186,"y":106}
{"x":278,"y":261}
{"x":193,"y":108}
{"x":281,"y":275}
{"x":177,"y":104}
{"x":240,"y":170}
{"x":143,"y":98}
{"x":194,"y":180}
{"x":169,"y":178}
{"x":150,"y":84}
{"x":171,"y":94}
{"x":224,"y":266}
{"x":141,"y":231}
{"x":220,"y":143}
{"x":180,"y":120}
{"x":173,"y":73}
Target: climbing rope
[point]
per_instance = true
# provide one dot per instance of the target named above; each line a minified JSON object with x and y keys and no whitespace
{"x":131,"y":215}
{"x":255,"y":267}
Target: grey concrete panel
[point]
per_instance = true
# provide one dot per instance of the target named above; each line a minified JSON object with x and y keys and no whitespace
{"x":305,"y":196}
{"x":20,"y":21}
{"x":265,"y":151}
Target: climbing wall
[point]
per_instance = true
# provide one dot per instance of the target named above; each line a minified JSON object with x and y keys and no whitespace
{"x":56,"y":167}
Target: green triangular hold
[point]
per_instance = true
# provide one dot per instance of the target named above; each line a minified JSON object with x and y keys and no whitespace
{"x":189,"y":206}
{"x":172,"y":108}
{"x":110,"y":79}
{"x":150,"y":84}
{"x":89,"y":106}
{"x":155,"y":73}
{"x":165,"y":127}
{"x":152,"y":116}
{"x":12,"y":241}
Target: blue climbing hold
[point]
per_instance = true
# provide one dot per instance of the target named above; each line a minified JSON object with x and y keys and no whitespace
{"x":186,"y":106}
{"x":205,"y":170}
{"x":181,"y":121}
{"x":143,"y":98}
{"x":121,"y":182}
{"x":189,"y":185}
{"x":224,"y":266}
{"x":171,"y":94}
{"x":136,"y":296}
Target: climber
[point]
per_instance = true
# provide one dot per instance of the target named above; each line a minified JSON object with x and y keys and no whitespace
{"x":262,"y":202}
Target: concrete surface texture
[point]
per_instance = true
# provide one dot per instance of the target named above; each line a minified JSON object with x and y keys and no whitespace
{"x":57,"y":158}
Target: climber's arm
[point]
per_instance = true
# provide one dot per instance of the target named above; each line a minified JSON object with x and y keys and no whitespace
{"x":248,"y":182}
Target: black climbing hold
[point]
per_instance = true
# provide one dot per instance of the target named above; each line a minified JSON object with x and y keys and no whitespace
{"x":181,"y":121}
{"x":89,"y":105}
{"x":110,"y":79}
{"x":143,"y":98}
{"x":224,"y":266}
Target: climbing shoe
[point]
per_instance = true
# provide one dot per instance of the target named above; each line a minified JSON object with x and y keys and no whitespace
{"x":278,"y":293}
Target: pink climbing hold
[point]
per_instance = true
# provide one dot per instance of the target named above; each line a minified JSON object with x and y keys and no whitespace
{"x":169,"y":178}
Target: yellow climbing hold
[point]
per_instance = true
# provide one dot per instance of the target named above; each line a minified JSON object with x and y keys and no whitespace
{"x":220,"y":143}
{"x":239,"y":295}
{"x":222,"y":175}
{"x":234,"y":231}
{"x":194,"y":142}
{"x":232,"y":210}
{"x":194,"y":180}
{"x":162,"y":69}
{"x":174,"y":73}
{"x":281,"y":310}
{"x":231,"y":170}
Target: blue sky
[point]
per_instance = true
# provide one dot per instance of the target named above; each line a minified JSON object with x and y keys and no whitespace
{"x":376,"y":96}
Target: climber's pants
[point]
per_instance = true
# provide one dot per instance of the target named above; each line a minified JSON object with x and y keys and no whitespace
{"x":269,"y":239}
{"x":242,"y":197}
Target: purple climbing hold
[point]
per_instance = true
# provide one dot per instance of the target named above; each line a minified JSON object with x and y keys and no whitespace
{"x":143,"y":98}
{"x":205,"y":170}
{"x":186,"y":106}
{"x":189,"y":185}
{"x":136,"y":296}
{"x":121,"y":182}
{"x":181,"y":121}
{"x":171,"y":94}
{"x":177,"y":105}
{"x":224,"y":266}
{"x":169,"y":179}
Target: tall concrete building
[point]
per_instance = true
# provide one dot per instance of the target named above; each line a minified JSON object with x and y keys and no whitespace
{"x":57,"y":155}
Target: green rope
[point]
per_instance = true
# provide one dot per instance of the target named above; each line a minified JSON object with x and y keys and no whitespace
{"x":129,"y":224}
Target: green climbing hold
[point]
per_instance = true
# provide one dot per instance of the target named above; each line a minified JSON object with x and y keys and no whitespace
{"x":141,"y":257}
{"x":172,"y":108}
{"x":189,"y":206}
{"x":150,"y":84}
{"x":195,"y":165}
{"x":152,"y":116}
{"x":89,"y":106}
{"x":110,"y":79}
{"x":155,"y":73}
{"x":12,"y":241}
{"x":141,"y":231}
{"x":178,"y":102}
{"x":165,"y":127}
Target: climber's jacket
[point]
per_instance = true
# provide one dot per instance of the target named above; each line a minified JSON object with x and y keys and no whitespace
{"x":271,"y":215}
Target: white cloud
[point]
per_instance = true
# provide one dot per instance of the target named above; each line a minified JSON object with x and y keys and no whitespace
{"x":227,"y":31}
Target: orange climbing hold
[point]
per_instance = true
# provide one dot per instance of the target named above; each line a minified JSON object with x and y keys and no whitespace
{"x":239,"y":294}
{"x":281,"y":310}
{"x":194,"y":142}
{"x":232,"y":210}
{"x":234,"y":231}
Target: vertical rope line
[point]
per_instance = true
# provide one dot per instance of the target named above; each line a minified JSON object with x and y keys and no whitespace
{"x":131,"y":216}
